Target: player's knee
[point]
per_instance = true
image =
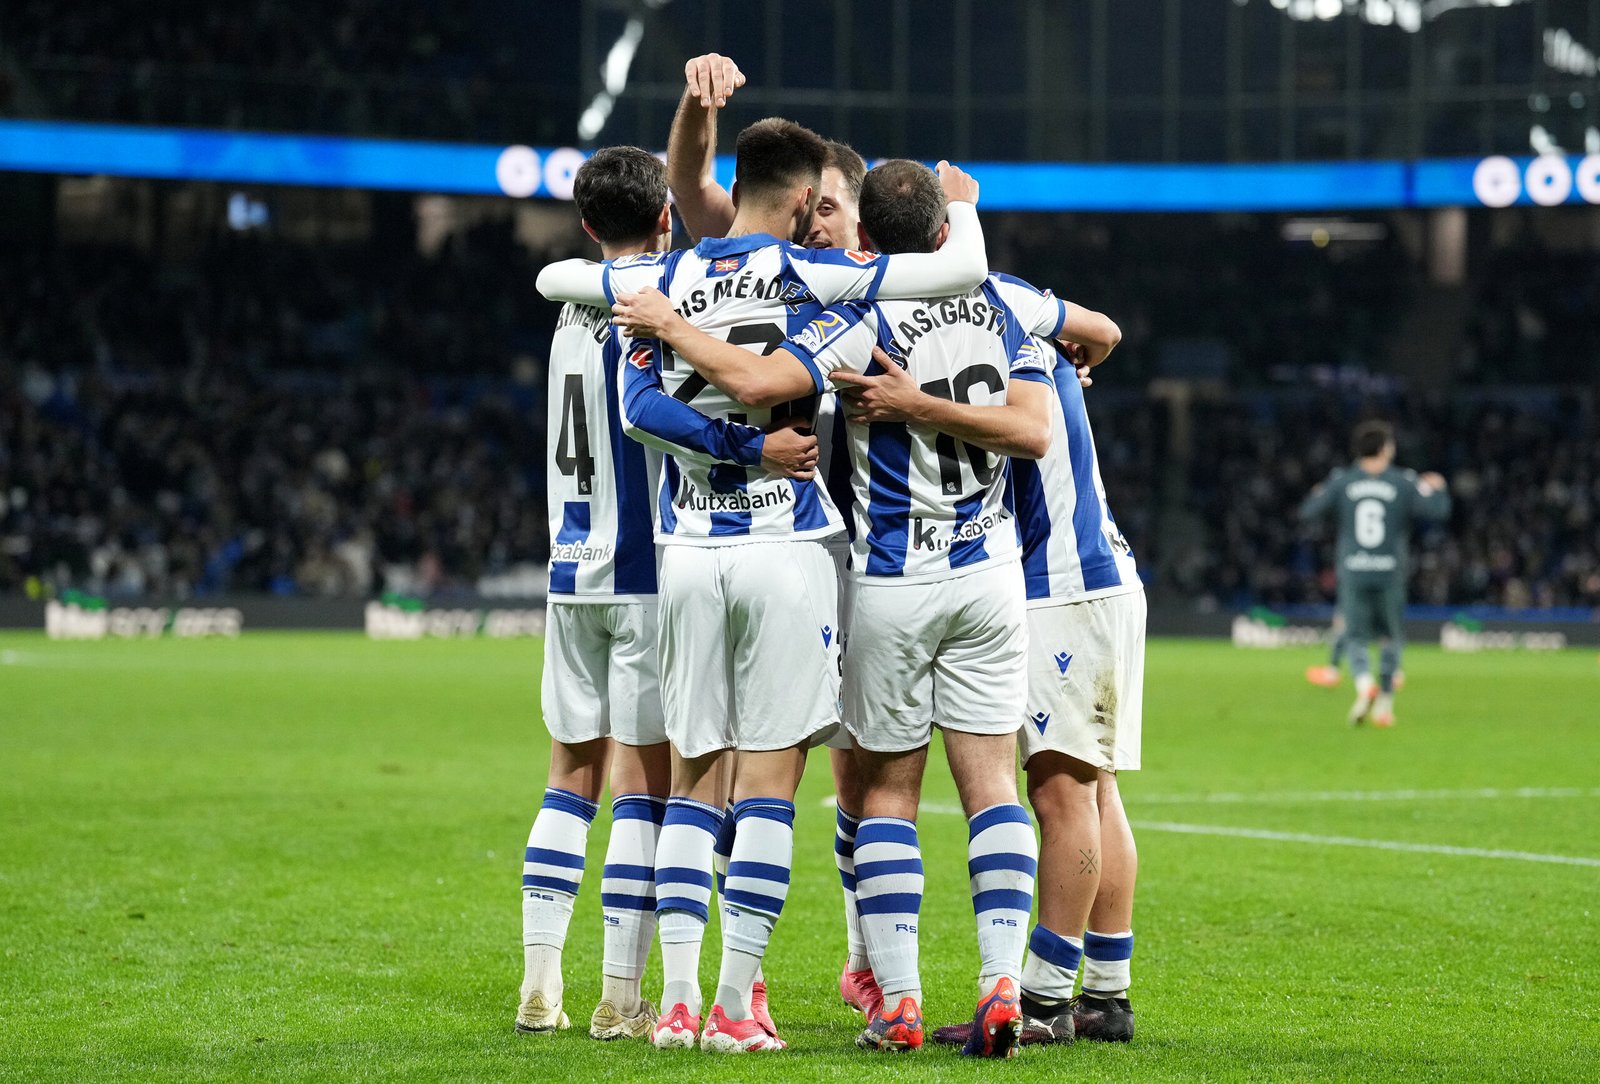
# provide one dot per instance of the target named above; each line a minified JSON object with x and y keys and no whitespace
{"x":1058,"y":785}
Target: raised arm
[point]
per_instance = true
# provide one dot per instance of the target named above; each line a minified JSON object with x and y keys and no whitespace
{"x":755,"y":380}
{"x":703,"y":204}
{"x":1020,"y":428}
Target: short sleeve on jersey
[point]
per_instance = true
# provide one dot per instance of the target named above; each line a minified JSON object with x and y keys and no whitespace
{"x":835,"y":275}
{"x":839,"y":338}
{"x":1040,"y":311}
{"x":1029,"y":362}
{"x":630,"y":274}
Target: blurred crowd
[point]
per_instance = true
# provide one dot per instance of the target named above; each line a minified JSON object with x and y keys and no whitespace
{"x":171,"y":484}
{"x":1523,"y":470}
{"x":341,"y":421}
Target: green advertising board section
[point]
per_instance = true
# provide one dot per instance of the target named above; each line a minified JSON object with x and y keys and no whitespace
{"x":81,"y":616}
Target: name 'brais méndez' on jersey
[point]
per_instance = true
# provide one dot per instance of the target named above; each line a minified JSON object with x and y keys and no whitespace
{"x":928,"y":506}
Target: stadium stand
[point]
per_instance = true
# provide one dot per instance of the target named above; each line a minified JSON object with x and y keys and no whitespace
{"x":327,"y":420}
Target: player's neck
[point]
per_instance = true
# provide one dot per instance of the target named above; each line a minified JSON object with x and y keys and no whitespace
{"x":631,"y":248}
{"x":1373,"y":465}
{"x":748,"y":220}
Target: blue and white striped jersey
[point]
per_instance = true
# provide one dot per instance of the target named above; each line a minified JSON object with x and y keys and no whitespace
{"x":928,"y":506}
{"x":599,"y":484}
{"x":1071,"y":547}
{"x":754,"y":291}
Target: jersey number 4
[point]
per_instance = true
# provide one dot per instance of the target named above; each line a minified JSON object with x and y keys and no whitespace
{"x":572,"y":448}
{"x":960,"y":390}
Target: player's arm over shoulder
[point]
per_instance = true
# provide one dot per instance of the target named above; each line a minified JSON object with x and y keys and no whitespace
{"x":755,"y":380}
{"x":960,"y":265}
{"x":1043,"y":313}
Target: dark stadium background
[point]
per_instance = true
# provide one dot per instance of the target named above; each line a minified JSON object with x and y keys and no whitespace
{"x":218,"y":393}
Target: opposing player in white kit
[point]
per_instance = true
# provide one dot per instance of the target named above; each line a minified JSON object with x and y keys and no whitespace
{"x":600,"y":693}
{"x":939,"y":608}
{"x":707,"y":211}
{"x":748,"y":622}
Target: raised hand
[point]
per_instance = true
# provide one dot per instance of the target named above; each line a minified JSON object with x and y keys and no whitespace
{"x":958,"y":185}
{"x":712,"y":78}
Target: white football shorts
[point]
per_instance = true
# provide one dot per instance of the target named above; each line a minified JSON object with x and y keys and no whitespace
{"x":600,"y":673}
{"x":1086,"y":681}
{"x":839,"y":552}
{"x":749,"y":639}
{"x":948,"y":653}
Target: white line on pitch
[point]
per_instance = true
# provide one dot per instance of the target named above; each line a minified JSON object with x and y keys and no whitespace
{"x":1291,"y":796}
{"x":1371,"y":844}
{"x":1408,"y":795}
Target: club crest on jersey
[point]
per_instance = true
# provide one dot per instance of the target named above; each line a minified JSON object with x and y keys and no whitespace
{"x":821,"y":331}
{"x":641,"y":357}
{"x":1063,"y":660}
{"x":727,"y":265}
{"x":1041,"y":719}
{"x":1029,"y":356}
{"x":857,"y":256}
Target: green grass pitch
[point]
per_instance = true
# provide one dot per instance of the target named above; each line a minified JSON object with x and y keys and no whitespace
{"x":296,"y":857}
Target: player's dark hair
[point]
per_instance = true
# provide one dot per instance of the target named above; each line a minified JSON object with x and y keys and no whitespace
{"x":1370,"y":438}
{"x":620,"y":192}
{"x":775,"y":156}
{"x":902,"y":206}
{"x":843,"y":157}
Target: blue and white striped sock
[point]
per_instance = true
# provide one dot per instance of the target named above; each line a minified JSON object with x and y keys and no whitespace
{"x":723,"y":852}
{"x":1052,"y":967}
{"x":628,"y":896}
{"x":683,"y":896}
{"x":1107,"y":963}
{"x":1002,"y":858}
{"x":889,"y":895}
{"x":758,"y":883}
{"x":552,"y":868}
{"x":844,"y":856}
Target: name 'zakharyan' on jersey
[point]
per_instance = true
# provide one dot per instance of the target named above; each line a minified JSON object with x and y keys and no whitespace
{"x":926,"y":505}
{"x":1072,"y":550}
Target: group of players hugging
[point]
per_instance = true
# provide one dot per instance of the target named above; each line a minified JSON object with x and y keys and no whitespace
{"x":825,"y":478}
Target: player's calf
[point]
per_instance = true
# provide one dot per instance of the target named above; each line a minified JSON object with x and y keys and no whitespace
{"x":551,"y":872}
